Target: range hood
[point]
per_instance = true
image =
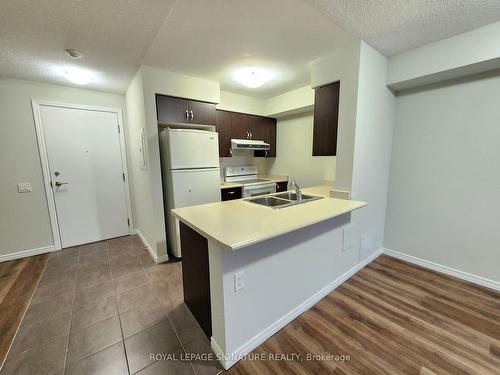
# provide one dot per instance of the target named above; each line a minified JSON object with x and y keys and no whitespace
{"x":249,"y":144}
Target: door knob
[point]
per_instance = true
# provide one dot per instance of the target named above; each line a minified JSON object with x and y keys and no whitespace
{"x":60,"y":183}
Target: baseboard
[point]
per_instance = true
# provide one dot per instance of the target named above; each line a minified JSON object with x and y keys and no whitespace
{"x":26,"y":253}
{"x":157,"y":259}
{"x":228,"y":360}
{"x":445,"y":269}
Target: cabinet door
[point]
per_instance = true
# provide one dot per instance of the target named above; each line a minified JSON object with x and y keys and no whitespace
{"x":326,"y":116}
{"x":281,"y":186}
{"x":242,"y":125}
{"x":230,"y":194}
{"x":267,"y":133}
{"x":223,"y":128}
{"x":202,"y":113}
{"x":170,"y":109}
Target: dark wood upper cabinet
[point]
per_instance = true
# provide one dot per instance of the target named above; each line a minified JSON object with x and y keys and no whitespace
{"x":326,"y":120}
{"x":170,"y":109}
{"x":178,"y":110}
{"x":235,"y":125}
{"x":223,"y":128}
{"x":243,"y":126}
{"x":268,"y":133}
{"x":202,"y":113}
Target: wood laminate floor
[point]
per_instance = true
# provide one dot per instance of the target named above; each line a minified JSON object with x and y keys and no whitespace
{"x":18,"y":279}
{"x":390,"y":318}
{"x":105,"y":307}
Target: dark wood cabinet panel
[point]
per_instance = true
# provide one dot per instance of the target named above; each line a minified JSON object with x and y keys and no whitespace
{"x":170,"y":109}
{"x":234,"y":125}
{"x":201,"y":113}
{"x":243,"y":126}
{"x":230,"y":193}
{"x":267,"y":133}
{"x":326,"y":116}
{"x":196,"y":276}
{"x":178,"y":110}
{"x":281,"y":186}
{"x":223,"y":128}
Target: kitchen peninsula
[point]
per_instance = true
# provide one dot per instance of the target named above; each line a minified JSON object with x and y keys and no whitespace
{"x":248,"y":269}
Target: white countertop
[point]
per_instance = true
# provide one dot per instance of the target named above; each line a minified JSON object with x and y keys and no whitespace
{"x":238,"y":223}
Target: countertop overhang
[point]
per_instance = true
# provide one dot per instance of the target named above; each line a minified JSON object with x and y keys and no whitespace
{"x":237,"y":223}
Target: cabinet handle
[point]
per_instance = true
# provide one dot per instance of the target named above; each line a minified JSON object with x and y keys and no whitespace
{"x":231,"y":192}
{"x":187,"y":115}
{"x":248,"y":135}
{"x":192,"y":115}
{"x":251,"y":135}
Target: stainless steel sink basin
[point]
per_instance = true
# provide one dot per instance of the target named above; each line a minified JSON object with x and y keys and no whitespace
{"x":281,"y":200}
{"x":293,"y":197}
{"x":270,"y":201}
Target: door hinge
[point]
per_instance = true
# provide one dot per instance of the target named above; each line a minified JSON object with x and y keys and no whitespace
{"x":123,"y":176}
{"x":118,"y":127}
{"x":128,"y":221}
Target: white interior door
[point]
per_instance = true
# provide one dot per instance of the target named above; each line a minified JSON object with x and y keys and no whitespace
{"x":85,"y":165}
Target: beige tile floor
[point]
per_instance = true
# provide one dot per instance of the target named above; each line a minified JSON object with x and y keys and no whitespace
{"x":103,"y":308}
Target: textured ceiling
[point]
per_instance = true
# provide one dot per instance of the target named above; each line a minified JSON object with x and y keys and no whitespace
{"x":211,"y":39}
{"x":394,"y":26}
{"x":112,"y":35}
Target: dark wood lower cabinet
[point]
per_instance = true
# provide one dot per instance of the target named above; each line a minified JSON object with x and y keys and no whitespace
{"x":196,"y":276}
{"x":230,"y":193}
{"x":281,"y":186}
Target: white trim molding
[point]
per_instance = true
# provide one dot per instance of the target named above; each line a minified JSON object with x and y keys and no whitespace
{"x":228,"y":360}
{"x":495,"y":285}
{"x":157,"y":259}
{"x":26,"y":253}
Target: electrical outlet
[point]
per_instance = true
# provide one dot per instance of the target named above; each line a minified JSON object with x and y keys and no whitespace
{"x":239,"y":281}
{"x":24,"y":187}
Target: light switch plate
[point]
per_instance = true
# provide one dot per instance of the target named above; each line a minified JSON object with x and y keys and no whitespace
{"x":23,"y":187}
{"x":239,"y":281}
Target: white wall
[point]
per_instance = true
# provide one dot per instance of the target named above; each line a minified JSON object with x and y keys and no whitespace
{"x":444,"y":202}
{"x":294,"y":153}
{"x":343,"y":66}
{"x":24,"y":218}
{"x":458,"y":56}
{"x":148,"y":191}
{"x":142,"y":207}
{"x":292,"y":102}
{"x":283,"y":277}
{"x":372,"y":149}
{"x":230,"y":101}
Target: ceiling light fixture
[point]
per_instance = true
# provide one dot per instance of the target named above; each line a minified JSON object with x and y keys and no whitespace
{"x":253,"y":77}
{"x":73,"y":53}
{"x":78,"y":76}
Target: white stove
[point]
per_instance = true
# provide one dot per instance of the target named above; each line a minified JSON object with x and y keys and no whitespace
{"x":247,"y":177}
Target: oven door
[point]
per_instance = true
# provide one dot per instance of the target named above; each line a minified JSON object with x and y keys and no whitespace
{"x":253,"y":191}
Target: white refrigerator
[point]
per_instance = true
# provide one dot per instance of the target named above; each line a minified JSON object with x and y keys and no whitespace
{"x":190,"y":174}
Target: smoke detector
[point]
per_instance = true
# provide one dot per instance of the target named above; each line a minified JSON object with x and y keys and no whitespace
{"x":74,"y":54}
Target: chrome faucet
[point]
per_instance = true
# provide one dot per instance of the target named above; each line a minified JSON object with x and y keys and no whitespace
{"x":298,"y":193}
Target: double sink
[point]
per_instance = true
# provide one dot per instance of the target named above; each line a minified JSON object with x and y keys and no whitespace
{"x":281,"y":200}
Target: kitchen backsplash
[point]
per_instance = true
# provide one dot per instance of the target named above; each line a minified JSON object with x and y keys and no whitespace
{"x":242,"y":158}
